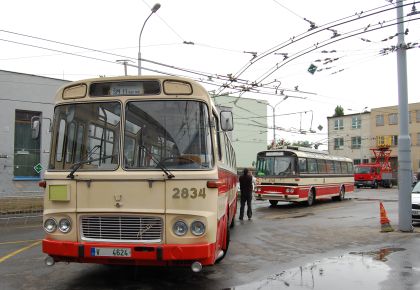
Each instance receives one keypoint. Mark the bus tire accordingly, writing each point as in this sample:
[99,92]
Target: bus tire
[227,242]
[273,202]
[311,198]
[341,195]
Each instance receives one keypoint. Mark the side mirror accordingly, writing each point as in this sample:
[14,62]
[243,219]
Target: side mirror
[35,127]
[226,120]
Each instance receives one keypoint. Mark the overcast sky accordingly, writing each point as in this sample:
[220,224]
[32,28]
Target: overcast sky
[226,35]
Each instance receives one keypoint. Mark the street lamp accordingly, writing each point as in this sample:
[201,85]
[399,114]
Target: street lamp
[274,115]
[154,9]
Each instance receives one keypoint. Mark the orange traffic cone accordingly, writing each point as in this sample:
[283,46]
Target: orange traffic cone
[385,226]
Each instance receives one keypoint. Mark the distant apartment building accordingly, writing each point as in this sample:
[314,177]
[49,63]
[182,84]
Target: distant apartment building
[23,159]
[354,135]
[250,127]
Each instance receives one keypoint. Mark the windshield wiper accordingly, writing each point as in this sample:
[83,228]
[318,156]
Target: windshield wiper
[158,163]
[77,165]
[80,163]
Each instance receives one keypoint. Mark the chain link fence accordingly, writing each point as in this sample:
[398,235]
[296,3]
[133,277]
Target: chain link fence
[21,209]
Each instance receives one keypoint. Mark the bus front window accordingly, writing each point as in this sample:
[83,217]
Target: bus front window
[172,134]
[86,136]
[275,166]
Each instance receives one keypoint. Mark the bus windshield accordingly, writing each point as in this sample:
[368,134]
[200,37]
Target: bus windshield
[275,166]
[173,134]
[86,136]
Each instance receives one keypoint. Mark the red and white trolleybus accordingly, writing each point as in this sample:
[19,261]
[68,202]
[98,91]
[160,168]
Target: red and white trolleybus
[141,172]
[297,174]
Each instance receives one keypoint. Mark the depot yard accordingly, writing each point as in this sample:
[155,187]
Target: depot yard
[276,240]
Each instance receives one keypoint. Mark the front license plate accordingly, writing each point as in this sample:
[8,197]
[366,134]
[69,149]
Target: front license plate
[110,252]
[415,212]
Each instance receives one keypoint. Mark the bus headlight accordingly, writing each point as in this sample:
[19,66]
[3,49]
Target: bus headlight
[198,228]
[50,225]
[64,225]
[180,228]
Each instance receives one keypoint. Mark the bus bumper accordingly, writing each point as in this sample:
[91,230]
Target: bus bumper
[280,197]
[140,254]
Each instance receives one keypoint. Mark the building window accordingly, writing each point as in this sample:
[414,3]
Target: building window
[418,139]
[409,117]
[394,140]
[356,122]
[379,120]
[356,142]
[356,161]
[27,150]
[338,143]
[393,119]
[338,124]
[418,116]
[365,160]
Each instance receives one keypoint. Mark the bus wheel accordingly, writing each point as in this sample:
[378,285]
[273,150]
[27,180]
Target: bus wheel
[273,202]
[225,249]
[340,197]
[232,224]
[311,198]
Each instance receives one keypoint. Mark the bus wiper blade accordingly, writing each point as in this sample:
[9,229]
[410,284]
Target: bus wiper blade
[158,163]
[77,165]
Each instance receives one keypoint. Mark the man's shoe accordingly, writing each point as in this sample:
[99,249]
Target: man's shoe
[249,218]
[241,219]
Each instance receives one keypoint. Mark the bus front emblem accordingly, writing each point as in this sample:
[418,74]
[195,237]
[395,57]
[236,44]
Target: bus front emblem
[118,198]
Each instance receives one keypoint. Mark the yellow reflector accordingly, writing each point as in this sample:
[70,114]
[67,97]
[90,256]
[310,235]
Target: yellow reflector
[58,193]
[75,92]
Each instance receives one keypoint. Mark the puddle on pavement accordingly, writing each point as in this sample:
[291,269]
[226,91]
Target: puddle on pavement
[380,255]
[356,270]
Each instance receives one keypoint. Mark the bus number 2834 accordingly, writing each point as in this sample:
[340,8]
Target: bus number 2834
[189,193]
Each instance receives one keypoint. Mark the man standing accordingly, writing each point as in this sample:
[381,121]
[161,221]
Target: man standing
[245,183]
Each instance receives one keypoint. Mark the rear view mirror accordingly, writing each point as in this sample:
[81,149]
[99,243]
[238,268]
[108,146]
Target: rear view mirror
[226,120]
[35,127]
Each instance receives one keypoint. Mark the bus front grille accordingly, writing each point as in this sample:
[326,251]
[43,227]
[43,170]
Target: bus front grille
[122,228]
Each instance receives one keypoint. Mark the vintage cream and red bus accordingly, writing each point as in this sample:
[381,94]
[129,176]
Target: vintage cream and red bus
[297,174]
[141,172]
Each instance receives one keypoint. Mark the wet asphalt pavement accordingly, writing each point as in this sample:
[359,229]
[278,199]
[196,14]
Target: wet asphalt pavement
[331,245]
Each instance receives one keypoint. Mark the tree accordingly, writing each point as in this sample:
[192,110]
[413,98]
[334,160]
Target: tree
[282,142]
[306,144]
[339,111]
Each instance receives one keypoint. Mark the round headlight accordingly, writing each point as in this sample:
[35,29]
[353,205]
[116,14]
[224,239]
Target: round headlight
[50,225]
[198,228]
[180,228]
[64,225]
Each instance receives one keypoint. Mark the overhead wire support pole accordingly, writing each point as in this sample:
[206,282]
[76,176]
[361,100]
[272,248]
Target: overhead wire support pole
[153,10]
[404,149]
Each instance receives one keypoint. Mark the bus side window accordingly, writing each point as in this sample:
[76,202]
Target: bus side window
[219,148]
[350,167]
[337,167]
[344,168]
[227,149]
[222,146]
[330,166]
[322,167]
[302,165]
[312,166]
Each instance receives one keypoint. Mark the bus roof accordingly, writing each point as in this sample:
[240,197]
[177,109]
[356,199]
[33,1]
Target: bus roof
[129,87]
[307,153]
